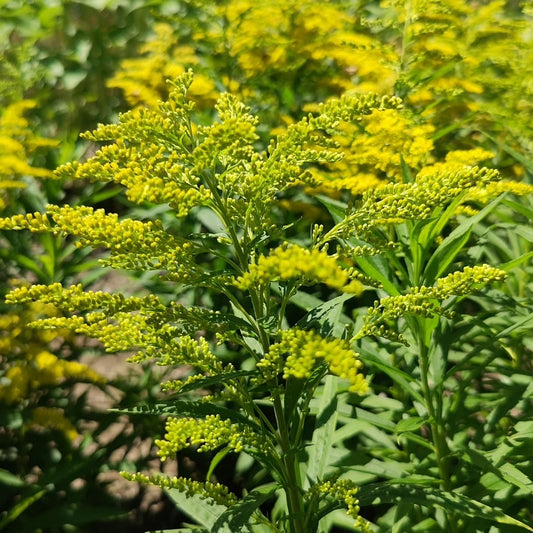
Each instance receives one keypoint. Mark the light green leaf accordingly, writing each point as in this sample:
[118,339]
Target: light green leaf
[236,517]
[327,318]
[204,512]
[399,376]
[410,424]
[453,244]
[377,269]
[386,493]
[323,435]
[7,478]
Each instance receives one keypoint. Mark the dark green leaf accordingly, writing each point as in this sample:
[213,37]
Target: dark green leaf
[236,517]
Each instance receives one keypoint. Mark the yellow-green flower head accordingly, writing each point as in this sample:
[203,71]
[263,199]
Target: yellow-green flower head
[345,491]
[134,245]
[207,490]
[426,301]
[299,352]
[396,202]
[292,262]
[207,434]
[53,418]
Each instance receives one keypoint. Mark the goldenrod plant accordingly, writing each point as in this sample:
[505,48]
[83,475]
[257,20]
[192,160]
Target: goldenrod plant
[333,360]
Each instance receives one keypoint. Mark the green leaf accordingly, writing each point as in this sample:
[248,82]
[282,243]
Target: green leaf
[204,512]
[387,493]
[336,209]
[324,433]
[506,148]
[9,479]
[446,253]
[216,460]
[189,408]
[20,507]
[377,268]
[515,262]
[236,517]
[519,208]
[399,376]
[453,244]
[410,424]
[327,318]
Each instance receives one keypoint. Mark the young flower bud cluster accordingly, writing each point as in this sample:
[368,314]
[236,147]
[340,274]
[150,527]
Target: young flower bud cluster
[289,262]
[208,434]
[426,301]
[298,353]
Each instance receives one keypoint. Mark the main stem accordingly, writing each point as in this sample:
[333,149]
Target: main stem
[291,476]
[292,488]
[438,433]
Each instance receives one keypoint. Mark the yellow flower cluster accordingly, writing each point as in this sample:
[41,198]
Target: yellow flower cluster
[469,279]
[298,353]
[374,150]
[26,362]
[172,350]
[307,141]
[148,171]
[135,245]
[274,37]
[426,301]
[291,262]
[53,417]
[17,145]
[42,369]
[251,43]
[207,490]
[208,434]
[143,79]
[396,202]
[74,298]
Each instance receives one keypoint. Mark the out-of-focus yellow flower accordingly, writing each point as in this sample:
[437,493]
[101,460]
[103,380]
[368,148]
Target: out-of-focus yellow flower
[53,418]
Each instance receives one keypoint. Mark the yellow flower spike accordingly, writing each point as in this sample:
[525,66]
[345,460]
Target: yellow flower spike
[344,491]
[293,262]
[207,490]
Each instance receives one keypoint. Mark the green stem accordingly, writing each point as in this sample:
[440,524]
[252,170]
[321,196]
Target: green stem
[434,409]
[292,489]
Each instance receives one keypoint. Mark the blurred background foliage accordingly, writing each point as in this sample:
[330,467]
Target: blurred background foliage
[463,68]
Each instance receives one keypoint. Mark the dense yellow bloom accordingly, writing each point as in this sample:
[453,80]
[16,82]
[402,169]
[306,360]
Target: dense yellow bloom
[143,79]
[17,145]
[42,369]
[270,37]
[299,352]
[373,151]
[26,362]
[289,262]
